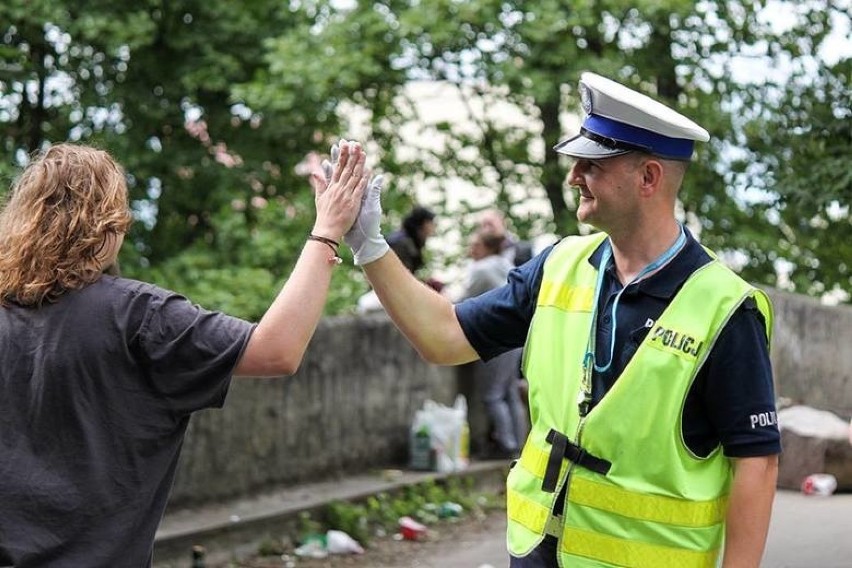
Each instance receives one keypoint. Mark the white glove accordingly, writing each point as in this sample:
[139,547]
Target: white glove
[365,237]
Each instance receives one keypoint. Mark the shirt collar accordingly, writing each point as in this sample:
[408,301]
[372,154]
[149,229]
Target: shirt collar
[665,283]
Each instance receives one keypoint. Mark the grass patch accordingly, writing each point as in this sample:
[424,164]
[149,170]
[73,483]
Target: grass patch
[430,503]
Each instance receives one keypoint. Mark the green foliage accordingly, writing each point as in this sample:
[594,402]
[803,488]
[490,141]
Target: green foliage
[351,519]
[308,526]
[380,513]
[212,106]
[527,57]
[221,210]
[803,143]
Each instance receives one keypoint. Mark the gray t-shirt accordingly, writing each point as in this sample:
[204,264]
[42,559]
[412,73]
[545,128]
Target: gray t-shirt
[485,274]
[96,391]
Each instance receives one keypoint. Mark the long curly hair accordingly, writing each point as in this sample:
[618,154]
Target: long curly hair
[56,221]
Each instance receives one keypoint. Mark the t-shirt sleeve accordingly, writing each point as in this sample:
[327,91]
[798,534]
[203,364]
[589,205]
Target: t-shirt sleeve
[739,390]
[189,354]
[498,320]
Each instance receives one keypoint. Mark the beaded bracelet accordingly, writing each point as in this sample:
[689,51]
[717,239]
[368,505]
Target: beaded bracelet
[332,244]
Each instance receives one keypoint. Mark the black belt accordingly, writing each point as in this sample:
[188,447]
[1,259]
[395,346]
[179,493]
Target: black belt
[561,447]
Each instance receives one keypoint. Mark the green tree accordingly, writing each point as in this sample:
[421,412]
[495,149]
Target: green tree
[213,107]
[529,57]
[53,75]
[211,180]
[800,140]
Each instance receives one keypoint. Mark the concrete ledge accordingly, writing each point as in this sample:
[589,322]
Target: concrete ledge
[236,528]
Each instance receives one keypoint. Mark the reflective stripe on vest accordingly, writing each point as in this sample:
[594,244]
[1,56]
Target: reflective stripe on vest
[623,552]
[617,551]
[656,508]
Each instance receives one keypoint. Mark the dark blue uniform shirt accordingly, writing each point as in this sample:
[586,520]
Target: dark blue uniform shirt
[733,388]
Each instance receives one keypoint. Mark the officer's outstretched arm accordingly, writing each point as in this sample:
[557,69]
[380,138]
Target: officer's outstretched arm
[425,317]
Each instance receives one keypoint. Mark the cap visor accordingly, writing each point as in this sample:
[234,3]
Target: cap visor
[581,147]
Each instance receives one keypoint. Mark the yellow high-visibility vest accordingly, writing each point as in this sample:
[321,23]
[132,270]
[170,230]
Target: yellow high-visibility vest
[658,505]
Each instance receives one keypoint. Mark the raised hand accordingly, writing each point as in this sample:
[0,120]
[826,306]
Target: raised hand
[365,237]
[339,196]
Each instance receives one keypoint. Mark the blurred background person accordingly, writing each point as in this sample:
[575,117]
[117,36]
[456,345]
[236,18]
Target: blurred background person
[496,380]
[409,241]
[515,250]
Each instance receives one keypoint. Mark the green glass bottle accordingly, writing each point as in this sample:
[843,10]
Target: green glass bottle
[198,554]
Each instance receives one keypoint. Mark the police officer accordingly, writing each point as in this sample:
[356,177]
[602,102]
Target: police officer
[647,360]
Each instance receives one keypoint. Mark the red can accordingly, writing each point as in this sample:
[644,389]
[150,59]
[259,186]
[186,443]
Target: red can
[411,529]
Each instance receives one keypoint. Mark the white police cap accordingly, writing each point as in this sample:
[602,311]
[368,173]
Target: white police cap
[620,120]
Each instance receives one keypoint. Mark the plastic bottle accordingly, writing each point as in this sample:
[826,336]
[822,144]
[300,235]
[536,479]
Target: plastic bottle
[422,454]
[198,554]
[449,509]
[464,445]
[314,546]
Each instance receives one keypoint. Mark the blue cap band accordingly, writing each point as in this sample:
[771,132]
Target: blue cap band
[674,148]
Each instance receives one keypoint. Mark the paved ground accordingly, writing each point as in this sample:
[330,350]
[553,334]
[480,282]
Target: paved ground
[806,532]
[810,532]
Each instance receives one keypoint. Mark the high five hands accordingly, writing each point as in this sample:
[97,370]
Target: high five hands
[365,236]
[339,193]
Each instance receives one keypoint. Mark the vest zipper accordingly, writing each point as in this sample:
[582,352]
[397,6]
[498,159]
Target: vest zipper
[571,466]
[580,430]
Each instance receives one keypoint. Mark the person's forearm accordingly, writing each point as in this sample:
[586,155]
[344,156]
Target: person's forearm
[749,511]
[423,315]
[279,342]
[282,336]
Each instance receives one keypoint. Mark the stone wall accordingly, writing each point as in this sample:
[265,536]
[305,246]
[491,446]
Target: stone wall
[347,410]
[349,407]
[812,352]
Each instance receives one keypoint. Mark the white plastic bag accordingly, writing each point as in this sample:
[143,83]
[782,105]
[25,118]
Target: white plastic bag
[440,436]
[341,543]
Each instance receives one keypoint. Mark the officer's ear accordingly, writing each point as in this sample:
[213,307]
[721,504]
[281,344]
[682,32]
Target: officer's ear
[651,173]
